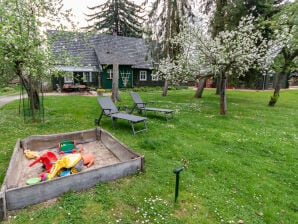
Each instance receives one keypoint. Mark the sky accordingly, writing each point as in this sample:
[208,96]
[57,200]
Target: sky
[79,8]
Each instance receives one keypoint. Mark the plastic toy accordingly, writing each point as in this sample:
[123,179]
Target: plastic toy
[65,173]
[33,180]
[47,159]
[88,159]
[68,147]
[73,162]
[30,154]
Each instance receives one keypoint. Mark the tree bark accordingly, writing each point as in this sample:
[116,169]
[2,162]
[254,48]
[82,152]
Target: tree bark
[223,98]
[274,98]
[201,87]
[115,86]
[31,88]
[218,85]
[288,58]
[165,88]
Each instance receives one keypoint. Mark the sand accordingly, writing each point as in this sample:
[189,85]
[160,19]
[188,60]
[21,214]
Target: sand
[102,155]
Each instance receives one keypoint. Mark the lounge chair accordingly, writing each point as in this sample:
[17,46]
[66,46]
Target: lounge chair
[109,109]
[141,106]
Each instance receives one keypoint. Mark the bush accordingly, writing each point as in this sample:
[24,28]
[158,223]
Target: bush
[177,87]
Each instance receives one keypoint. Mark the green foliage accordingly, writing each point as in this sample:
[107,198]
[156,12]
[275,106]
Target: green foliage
[169,15]
[228,13]
[241,166]
[146,89]
[177,87]
[10,90]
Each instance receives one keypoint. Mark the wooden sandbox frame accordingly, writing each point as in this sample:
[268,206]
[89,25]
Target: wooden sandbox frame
[13,196]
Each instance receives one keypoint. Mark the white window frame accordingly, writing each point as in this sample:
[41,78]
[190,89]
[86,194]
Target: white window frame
[143,75]
[154,78]
[109,73]
[87,76]
[68,78]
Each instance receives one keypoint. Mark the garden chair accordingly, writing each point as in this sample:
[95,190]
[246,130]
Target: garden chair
[141,106]
[109,109]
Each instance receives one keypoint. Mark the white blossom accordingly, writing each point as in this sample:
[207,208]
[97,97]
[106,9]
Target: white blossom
[231,52]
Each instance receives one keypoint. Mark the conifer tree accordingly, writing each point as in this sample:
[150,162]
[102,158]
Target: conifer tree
[121,17]
[166,18]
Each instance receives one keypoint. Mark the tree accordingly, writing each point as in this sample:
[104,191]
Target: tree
[286,43]
[22,50]
[227,15]
[230,53]
[165,19]
[121,17]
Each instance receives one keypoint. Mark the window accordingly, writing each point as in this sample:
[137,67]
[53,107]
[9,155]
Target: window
[87,77]
[154,77]
[143,75]
[124,75]
[68,78]
[110,74]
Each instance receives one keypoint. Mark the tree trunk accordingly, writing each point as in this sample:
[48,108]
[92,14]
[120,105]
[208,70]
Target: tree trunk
[218,85]
[31,88]
[274,98]
[165,88]
[223,98]
[288,58]
[115,86]
[201,87]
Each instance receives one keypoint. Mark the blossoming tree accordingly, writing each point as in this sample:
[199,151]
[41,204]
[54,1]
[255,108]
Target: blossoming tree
[286,45]
[23,52]
[230,53]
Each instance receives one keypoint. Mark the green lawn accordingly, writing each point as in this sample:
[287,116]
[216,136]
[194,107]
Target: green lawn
[242,166]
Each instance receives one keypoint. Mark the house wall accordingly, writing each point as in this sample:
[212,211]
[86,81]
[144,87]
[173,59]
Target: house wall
[125,77]
[137,82]
[128,78]
[78,79]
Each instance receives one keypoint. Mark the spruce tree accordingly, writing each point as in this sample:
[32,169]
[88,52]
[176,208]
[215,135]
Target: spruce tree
[165,19]
[121,17]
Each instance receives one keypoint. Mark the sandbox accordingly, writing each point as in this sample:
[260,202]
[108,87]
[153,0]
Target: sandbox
[112,160]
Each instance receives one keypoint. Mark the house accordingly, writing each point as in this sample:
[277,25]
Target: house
[86,60]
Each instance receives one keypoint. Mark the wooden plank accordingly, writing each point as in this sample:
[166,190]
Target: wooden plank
[41,142]
[12,174]
[2,206]
[121,151]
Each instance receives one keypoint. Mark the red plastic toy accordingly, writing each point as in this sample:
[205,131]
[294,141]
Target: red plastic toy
[47,159]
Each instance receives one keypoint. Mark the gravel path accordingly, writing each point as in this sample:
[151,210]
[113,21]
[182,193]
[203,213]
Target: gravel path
[7,99]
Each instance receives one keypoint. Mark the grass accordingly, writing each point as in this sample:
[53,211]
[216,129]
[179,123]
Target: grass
[10,90]
[242,166]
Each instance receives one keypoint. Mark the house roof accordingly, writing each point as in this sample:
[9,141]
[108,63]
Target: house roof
[84,49]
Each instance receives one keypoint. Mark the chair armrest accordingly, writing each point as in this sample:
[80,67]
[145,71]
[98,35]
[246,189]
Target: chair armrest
[123,108]
[106,109]
[142,104]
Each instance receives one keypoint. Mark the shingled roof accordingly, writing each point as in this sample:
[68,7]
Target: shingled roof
[99,49]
